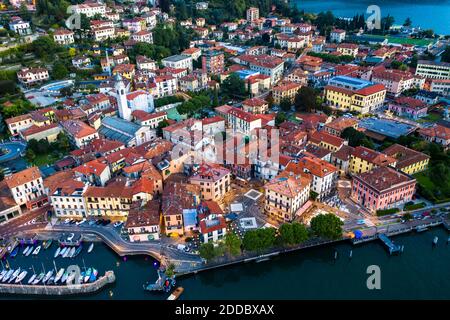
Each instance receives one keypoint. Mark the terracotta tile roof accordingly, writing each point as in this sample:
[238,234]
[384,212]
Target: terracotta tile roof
[144,116]
[315,166]
[383,178]
[179,196]
[92,167]
[211,120]
[143,216]
[78,128]
[207,226]
[367,91]
[404,156]
[322,136]
[373,156]
[22,177]
[288,184]
[36,129]
[436,131]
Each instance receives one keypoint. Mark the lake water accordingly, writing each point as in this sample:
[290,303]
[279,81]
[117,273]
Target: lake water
[428,14]
[420,272]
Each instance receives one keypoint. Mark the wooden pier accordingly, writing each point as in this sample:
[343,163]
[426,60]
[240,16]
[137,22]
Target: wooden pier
[61,290]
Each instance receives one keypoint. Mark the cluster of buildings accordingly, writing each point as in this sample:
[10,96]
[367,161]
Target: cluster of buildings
[121,169]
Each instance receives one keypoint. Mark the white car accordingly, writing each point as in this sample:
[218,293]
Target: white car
[81,222]
[117,224]
[67,221]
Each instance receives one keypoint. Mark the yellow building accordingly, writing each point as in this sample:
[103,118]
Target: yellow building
[362,101]
[409,161]
[285,90]
[363,159]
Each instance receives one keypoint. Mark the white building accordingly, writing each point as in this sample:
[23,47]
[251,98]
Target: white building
[26,186]
[128,102]
[337,35]
[178,61]
[433,70]
[19,26]
[165,86]
[63,36]
[90,9]
[67,199]
[30,76]
[243,122]
[143,36]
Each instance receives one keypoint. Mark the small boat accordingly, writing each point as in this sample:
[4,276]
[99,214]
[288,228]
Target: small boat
[421,228]
[87,275]
[51,281]
[14,275]
[64,276]
[78,251]
[59,275]
[47,244]
[37,250]
[32,278]
[91,247]
[93,276]
[2,274]
[29,251]
[38,278]
[66,253]
[72,252]
[25,251]
[14,252]
[21,276]
[176,293]
[57,252]
[8,275]
[47,276]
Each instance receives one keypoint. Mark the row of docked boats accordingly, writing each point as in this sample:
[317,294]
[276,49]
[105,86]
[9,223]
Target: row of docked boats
[71,252]
[61,277]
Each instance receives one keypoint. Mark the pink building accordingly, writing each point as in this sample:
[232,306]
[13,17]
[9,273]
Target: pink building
[408,107]
[382,188]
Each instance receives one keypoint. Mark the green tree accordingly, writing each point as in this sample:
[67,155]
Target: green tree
[408,22]
[162,124]
[286,234]
[305,99]
[233,86]
[59,70]
[285,104]
[207,251]
[233,244]
[327,226]
[356,138]
[260,239]
[30,155]
[280,118]
[300,232]
[44,47]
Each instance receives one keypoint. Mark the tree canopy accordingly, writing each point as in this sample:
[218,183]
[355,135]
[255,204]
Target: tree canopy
[327,226]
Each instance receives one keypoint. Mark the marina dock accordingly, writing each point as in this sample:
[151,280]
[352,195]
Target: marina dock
[393,248]
[108,278]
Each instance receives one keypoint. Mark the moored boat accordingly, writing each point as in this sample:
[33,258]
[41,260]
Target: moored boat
[51,280]
[72,252]
[64,276]
[47,276]
[57,252]
[14,252]
[38,278]
[2,274]
[63,251]
[59,275]
[91,247]
[14,275]
[25,251]
[78,251]
[8,275]
[21,276]
[87,275]
[66,252]
[32,278]
[176,293]
[30,250]
[47,244]
[37,250]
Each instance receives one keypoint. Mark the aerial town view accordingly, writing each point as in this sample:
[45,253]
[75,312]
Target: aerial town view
[224,149]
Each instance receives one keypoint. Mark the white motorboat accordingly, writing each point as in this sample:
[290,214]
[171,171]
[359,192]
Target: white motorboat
[58,251]
[21,276]
[25,251]
[30,250]
[63,251]
[14,275]
[91,247]
[47,276]
[72,252]
[2,274]
[59,275]
[8,275]
[39,278]
[32,278]
[65,276]
[66,254]
[36,251]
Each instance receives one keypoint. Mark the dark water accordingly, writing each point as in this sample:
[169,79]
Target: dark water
[428,14]
[421,272]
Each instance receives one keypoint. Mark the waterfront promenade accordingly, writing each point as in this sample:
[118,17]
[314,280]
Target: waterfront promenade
[84,288]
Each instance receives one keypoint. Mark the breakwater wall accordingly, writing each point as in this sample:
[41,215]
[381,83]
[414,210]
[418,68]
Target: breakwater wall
[85,288]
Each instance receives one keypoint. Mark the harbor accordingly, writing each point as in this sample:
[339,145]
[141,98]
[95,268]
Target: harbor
[278,276]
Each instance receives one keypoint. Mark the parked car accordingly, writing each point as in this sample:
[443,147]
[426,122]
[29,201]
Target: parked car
[81,222]
[117,224]
[67,221]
